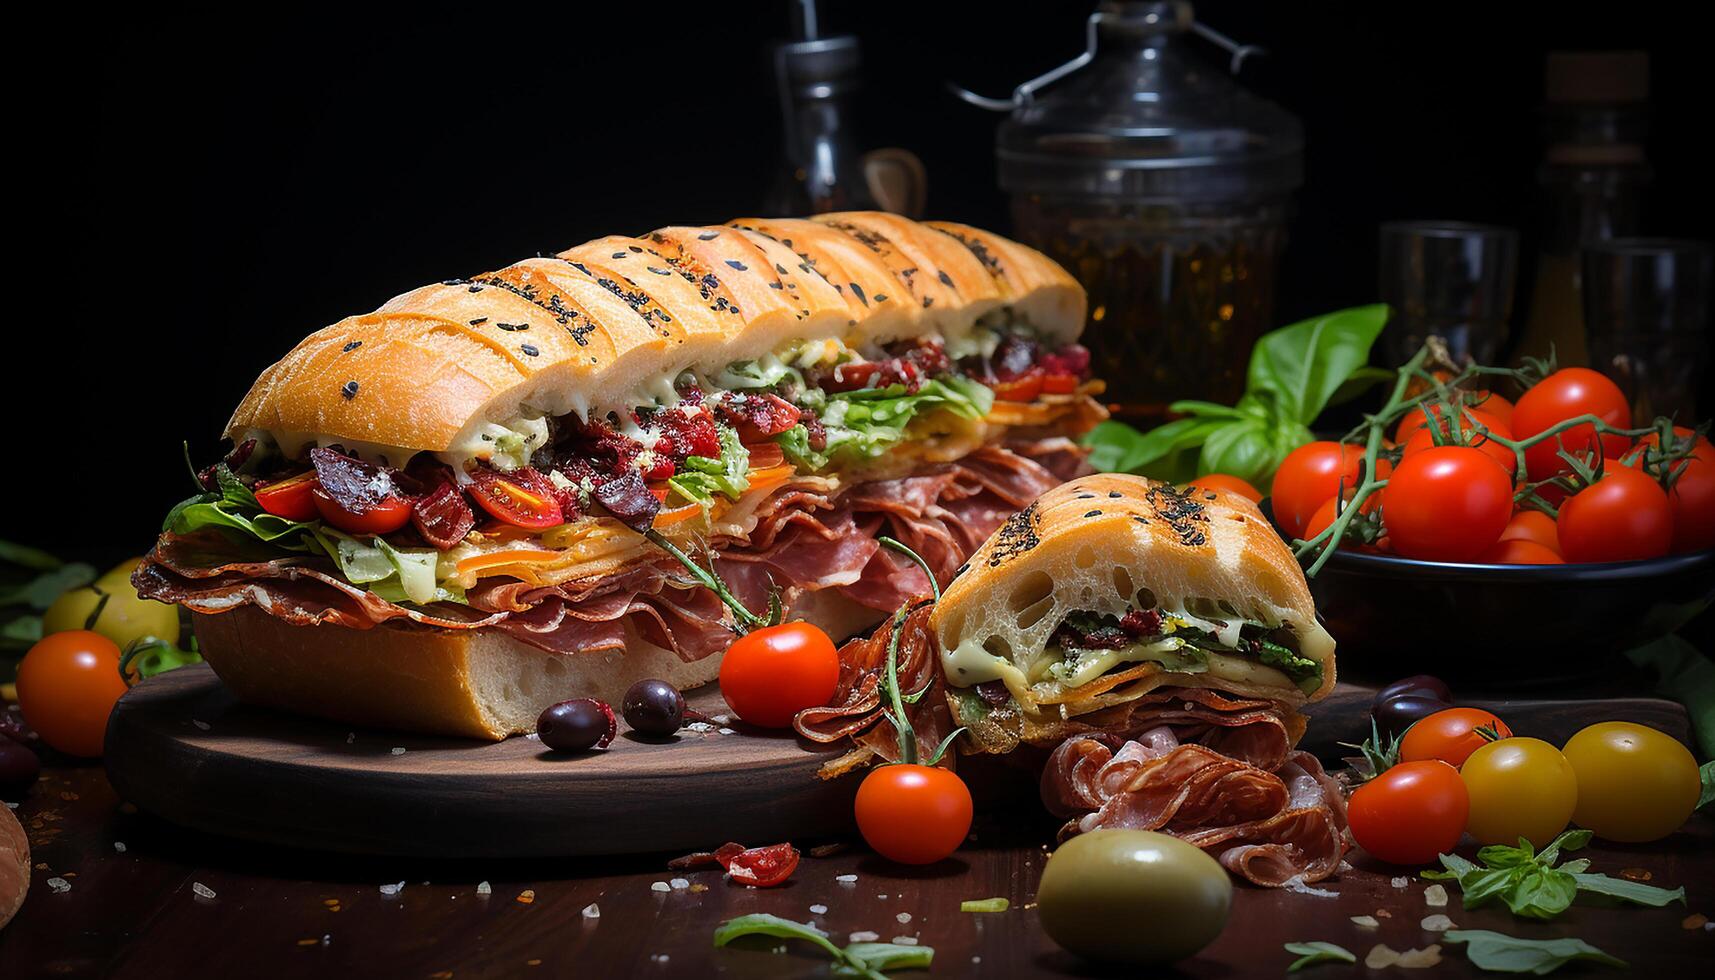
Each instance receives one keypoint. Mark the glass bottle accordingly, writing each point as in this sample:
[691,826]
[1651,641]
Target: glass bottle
[822,169]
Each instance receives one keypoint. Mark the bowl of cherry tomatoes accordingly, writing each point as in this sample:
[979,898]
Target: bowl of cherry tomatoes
[1526,542]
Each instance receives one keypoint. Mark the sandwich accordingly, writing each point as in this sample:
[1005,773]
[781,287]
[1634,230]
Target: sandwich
[444,515]
[1149,648]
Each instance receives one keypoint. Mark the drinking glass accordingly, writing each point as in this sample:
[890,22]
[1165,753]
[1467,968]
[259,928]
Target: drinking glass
[1646,310]
[1449,279]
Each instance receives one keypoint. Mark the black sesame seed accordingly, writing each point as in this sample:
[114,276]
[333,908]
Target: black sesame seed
[881,297]
[858,292]
[348,348]
[777,284]
[513,327]
[946,280]
[1094,513]
[476,289]
[1114,495]
[479,321]
[1209,496]
[635,248]
[736,264]
[530,350]
[619,255]
[349,390]
[708,236]
[1086,496]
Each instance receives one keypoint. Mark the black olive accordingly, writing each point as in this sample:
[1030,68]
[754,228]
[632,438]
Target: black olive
[1421,685]
[654,707]
[572,726]
[1395,716]
[19,766]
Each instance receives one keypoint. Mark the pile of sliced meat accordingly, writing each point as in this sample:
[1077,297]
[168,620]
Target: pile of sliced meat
[803,541]
[1215,771]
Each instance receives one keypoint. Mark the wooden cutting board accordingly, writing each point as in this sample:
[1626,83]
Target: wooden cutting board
[181,747]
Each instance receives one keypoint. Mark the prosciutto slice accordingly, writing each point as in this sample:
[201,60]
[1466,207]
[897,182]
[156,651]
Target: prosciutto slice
[1268,826]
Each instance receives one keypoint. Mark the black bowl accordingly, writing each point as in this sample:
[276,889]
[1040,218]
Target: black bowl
[1503,625]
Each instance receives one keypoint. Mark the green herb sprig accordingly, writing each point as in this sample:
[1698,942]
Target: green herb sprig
[895,713]
[1500,953]
[1533,887]
[1312,953]
[856,959]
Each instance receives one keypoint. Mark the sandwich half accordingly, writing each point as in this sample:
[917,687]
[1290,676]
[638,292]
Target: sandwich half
[1149,647]
[434,515]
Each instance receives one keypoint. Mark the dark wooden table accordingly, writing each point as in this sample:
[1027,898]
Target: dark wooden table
[137,912]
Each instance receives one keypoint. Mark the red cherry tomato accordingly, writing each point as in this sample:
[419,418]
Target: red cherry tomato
[1624,516]
[1231,484]
[1500,408]
[67,686]
[1413,421]
[522,498]
[1533,526]
[1693,499]
[1702,449]
[1309,475]
[292,498]
[772,673]
[1423,438]
[1517,551]
[1565,394]
[1410,813]
[1447,503]
[913,814]
[1450,735]
[384,518]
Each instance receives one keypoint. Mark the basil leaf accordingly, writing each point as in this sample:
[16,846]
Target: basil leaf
[41,591]
[1456,867]
[1482,884]
[763,924]
[1362,380]
[888,956]
[1303,365]
[1571,840]
[1632,891]
[1507,856]
[1509,954]
[1541,894]
[1707,773]
[1312,953]
[35,559]
[1118,448]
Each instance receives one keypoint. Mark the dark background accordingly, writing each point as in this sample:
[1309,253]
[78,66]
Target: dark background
[214,185]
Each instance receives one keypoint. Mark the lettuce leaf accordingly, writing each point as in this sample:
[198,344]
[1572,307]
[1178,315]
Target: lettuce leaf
[700,478]
[866,423]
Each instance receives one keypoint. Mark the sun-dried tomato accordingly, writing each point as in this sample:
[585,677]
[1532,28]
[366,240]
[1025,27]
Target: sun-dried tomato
[763,867]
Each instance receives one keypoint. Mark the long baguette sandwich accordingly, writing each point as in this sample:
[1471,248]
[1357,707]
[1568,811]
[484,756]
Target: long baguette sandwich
[1150,648]
[434,515]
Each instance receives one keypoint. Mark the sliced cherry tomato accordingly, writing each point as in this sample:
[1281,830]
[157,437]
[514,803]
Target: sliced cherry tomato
[1519,787]
[1410,813]
[913,814]
[387,516]
[1624,516]
[1423,438]
[290,498]
[1059,384]
[772,673]
[1309,475]
[1534,526]
[1635,784]
[1517,551]
[759,867]
[1565,394]
[1231,484]
[1023,388]
[522,498]
[765,455]
[1450,735]
[67,685]
[1447,503]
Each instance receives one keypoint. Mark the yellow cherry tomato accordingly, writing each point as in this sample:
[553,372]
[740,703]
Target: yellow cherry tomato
[1519,787]
[1635,784]
[126,616]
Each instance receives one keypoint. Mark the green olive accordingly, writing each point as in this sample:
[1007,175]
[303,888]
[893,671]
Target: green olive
[1133,896]
[126,616]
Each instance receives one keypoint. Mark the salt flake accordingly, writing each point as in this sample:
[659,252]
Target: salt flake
[903,917]
[660,886]
[396,750]
[1435,896]
[592,911]
[59,885]
[678,883]
[1436,923]
[905,940]
[863,937]
[845,879]
[197,888]
[484,888]
[818,910]
[393,889]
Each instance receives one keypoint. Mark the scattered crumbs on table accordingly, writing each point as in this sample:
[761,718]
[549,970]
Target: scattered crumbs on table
[1366,921]
[1344,867]
[309,942]
[327,937]
[41,865]
[1381,957]
[660,886]
[69,874]
[725,731]
[818,910]
[825,850]
[903,917]
[905,940]
[1401,882]
[701,727]
[393,889]
[200,890]
[119,847]
[863,937]
[679,884]
[1696,920]
[697,887]
[202,726]
[1027,906]
[396,750]
[527,896]
[1435,896]
[1436,923]
[882,897]
[59,885]
[533,737]
[592,911]
[720,719]
[539,962]
[484,888]
[845,879]
[1296,884]
[1636,874]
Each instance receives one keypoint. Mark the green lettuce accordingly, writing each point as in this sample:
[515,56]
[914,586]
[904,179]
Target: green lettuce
[866,423]
[699,478]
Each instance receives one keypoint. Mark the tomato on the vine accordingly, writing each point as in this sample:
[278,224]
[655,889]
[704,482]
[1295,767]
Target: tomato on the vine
[1231,484]
[1410,813]
[385,517]
[1309,475]
[67,685]
[1533,526]
[1517,551]
[1624,516]
[1693,499]
[1519,787]
[1447,503]
[1423,438]
[1450,735]
[1635,784]
[1565,394]
[772,673]
[913,814]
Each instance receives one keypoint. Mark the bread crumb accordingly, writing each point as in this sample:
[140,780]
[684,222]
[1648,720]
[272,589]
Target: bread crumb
[660,886]
[1636,874]
[905,940]
[818,910]
[592,911]
[903,917]
[1696,920]
[863,937]
[1435,896]
[698,886]
[1367,921]
[1436,923]
[527,896]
